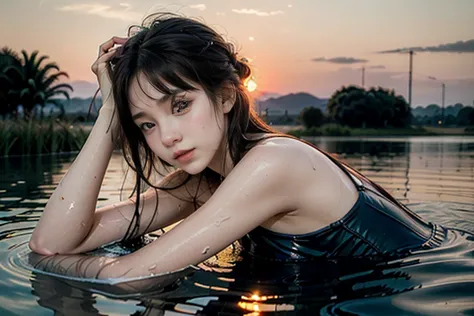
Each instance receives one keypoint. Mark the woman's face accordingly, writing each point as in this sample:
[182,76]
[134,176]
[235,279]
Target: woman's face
[183,129]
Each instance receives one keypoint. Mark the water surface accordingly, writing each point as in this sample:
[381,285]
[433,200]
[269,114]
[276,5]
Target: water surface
[433,175]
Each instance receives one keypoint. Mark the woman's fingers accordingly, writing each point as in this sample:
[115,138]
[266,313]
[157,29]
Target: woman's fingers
[104,48]
[106,51]
[101,61]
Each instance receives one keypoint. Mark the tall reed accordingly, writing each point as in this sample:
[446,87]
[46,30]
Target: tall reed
[33,137]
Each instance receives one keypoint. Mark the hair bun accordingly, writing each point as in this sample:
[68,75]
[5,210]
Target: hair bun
[242,67]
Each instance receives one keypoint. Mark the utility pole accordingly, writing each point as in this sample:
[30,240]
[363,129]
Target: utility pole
[443,88]
[363,76]
[410,78]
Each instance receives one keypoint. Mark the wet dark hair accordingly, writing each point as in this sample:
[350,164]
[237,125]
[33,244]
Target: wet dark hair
[171,50]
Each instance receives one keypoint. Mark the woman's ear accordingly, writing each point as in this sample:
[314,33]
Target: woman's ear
[228,98]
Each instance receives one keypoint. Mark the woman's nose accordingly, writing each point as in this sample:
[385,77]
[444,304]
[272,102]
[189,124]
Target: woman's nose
[170,136]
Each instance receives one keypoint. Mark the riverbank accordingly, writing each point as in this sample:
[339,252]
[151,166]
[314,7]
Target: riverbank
[338,130]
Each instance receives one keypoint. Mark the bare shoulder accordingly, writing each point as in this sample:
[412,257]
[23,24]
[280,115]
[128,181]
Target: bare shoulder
[284,152]
[297,151]
[319,192]
[298,165]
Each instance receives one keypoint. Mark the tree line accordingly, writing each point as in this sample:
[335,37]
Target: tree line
[356,107]
[452,115]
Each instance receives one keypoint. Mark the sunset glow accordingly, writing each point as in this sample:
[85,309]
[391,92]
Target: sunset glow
[295,47]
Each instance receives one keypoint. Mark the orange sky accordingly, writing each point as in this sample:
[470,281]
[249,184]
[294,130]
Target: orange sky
[282,38]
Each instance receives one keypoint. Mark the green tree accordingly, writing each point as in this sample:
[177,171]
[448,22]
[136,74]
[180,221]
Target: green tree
[466,116]
[311,116]
[377,107]
[32,83]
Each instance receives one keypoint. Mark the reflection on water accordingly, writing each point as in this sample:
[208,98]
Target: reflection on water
[414,169]
[435,175]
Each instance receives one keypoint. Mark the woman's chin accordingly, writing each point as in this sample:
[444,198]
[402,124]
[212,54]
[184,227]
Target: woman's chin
[193,167]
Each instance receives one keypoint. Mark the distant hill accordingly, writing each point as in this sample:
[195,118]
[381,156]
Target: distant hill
[264,95]
[83,89]
[75,107]
[293,103]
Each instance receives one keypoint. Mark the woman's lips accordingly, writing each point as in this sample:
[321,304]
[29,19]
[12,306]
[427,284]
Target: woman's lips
[185,157]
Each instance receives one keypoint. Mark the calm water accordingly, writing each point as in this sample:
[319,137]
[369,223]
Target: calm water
[434,176]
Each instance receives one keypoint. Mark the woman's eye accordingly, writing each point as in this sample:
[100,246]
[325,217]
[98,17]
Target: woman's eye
[146,126]
[180,106]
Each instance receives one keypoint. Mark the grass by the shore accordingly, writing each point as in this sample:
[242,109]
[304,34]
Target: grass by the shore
[338,130]
[19,137]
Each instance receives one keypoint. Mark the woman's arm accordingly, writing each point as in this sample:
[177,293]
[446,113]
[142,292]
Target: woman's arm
[159,209]
[261,186]
[68,215]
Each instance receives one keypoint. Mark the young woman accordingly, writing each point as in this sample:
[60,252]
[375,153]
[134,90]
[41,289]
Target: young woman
[174,93]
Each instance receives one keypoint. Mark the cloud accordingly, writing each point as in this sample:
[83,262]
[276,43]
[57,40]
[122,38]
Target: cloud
[104,11]
[200,7]
[221,13]
[376,67]
[457,47]
[340,60]
[256,12]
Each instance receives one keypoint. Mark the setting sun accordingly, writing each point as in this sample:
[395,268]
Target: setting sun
[251,84]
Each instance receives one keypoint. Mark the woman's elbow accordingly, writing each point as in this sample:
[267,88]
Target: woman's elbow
[36,247]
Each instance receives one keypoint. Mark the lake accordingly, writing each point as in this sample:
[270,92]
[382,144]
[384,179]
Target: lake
[434,176]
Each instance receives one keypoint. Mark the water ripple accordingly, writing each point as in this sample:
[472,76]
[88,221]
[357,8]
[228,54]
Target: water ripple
[435,176]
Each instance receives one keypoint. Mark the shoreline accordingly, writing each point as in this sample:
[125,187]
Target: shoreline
[337,130]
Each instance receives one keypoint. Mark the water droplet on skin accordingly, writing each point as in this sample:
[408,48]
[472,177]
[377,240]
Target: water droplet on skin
[205,250]
[71,206]
[152,267]
[83,224]
[221,220]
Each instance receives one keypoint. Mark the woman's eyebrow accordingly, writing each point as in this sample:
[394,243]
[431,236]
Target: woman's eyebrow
[161,100]
[173,95]
[138,115]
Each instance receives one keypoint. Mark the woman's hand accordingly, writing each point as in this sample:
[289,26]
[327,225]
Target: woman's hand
[99,68]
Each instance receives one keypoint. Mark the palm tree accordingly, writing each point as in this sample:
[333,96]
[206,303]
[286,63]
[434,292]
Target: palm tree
[9,60]
[32,83]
